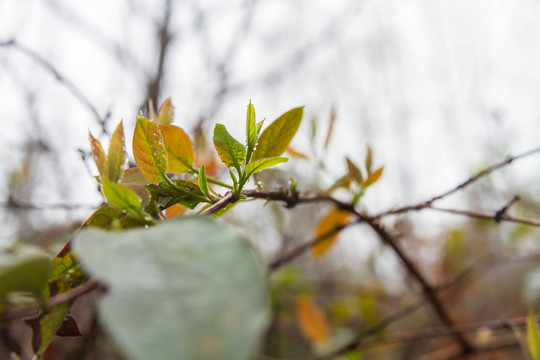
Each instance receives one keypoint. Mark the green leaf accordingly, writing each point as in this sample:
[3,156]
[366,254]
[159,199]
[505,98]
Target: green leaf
[122,198]
[533,336]
[230,150]
[173,289]
[149,150]
[116,157]
[203,182]
[369,159]
[166,112]
[180,151]
[277,136]
[99,155]
[251,127]
[24,268]
[354,171]
[262,164]
[185,193]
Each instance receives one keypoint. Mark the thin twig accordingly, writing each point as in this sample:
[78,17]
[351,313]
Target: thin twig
[61,78]
[469,181]
[488,216]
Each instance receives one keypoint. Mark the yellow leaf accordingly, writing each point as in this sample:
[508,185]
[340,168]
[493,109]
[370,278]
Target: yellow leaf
[334,218]
[312,321]
[277,136]
[373,177]
[533,336]
[149,150]
[179,147]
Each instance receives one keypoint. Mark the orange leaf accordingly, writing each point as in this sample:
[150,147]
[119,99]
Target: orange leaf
[149,150]
[312,321]
[334,218]
[174,211]
[373,176]
[179,147]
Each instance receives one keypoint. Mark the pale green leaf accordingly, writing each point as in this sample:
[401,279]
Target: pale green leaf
[251,127]
[533,336]
[24,268]
[231,152]
[203,182]
[262,164]
[173,290]
[122,197]
[149,150]
[116,157]
[277,136]
[179,148]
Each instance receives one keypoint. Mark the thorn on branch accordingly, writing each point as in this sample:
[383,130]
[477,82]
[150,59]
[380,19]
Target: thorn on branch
[502,211]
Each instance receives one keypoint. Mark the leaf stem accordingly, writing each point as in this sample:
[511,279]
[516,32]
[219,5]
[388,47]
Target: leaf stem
[213,181]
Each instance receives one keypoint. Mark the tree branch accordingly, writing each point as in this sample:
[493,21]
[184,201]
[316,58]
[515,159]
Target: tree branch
[53,301]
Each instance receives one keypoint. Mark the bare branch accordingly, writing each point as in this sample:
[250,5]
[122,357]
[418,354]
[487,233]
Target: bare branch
[464,184]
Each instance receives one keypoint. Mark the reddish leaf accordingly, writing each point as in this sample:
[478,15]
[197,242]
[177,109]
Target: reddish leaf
[69,328]
[116,157]
[99,155]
